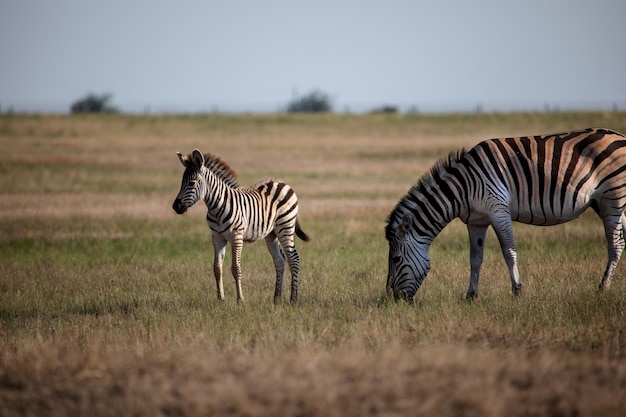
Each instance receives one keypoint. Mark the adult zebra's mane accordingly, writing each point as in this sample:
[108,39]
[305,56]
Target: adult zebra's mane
[423,185]
[220,168]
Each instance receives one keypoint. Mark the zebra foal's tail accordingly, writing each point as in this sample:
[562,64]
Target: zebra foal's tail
[300,233]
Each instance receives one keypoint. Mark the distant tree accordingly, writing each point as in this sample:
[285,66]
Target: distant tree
[385,109]
[314,102]
[94,103]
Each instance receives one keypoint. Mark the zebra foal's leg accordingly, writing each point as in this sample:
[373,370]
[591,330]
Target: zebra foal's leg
[237,245]
[279,263]
[289,248]
[477,245]
[219,250]
[614,230]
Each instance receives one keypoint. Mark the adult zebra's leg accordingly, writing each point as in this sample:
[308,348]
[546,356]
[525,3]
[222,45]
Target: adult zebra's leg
[477,245]
[219,250]
[237,245]
[289,248]
[279,263]
[614,230]
[503,226]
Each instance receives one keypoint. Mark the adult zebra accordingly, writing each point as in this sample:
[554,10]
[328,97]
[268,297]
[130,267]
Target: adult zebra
[539,180]
[267,210]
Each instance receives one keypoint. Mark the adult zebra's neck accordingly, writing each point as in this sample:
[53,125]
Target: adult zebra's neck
[438,198]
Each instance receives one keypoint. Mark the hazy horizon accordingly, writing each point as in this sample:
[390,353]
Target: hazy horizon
[238,57]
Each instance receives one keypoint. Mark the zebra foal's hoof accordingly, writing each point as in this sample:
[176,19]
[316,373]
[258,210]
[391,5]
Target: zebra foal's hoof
[517,290]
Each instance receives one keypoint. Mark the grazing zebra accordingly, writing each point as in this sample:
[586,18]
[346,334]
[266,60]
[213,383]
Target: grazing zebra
[267,210]
[540,180]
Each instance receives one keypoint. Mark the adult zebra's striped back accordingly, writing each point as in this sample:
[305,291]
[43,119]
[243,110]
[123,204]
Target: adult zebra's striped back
[267,210]
[540,180]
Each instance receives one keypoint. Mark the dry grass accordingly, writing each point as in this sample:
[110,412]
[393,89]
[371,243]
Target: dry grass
[107,305]
[431,380]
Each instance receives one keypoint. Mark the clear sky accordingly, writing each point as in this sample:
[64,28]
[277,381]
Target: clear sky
[257,55]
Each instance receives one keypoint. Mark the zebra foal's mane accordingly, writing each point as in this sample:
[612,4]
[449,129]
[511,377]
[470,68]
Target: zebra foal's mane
[219,167]
[425,183]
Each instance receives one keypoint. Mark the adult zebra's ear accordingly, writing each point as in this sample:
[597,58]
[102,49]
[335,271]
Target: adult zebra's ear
[405,225]
[198,158]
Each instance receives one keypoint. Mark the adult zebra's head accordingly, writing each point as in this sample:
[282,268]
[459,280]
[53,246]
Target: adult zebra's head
[408,258]
[193,185]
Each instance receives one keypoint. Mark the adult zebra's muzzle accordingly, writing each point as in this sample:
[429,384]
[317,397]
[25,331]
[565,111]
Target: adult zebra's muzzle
[179,207]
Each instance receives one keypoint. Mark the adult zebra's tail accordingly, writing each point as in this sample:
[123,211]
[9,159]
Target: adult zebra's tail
[300,233]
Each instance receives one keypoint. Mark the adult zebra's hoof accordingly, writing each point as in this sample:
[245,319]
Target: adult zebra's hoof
[471,296]
[517,289]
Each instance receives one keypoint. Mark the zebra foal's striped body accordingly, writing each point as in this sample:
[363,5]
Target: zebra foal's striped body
[539,180]
[268,210]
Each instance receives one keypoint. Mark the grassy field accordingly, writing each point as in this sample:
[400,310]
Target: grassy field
[108,306]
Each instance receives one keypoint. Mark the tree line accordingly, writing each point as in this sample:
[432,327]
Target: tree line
[314,102]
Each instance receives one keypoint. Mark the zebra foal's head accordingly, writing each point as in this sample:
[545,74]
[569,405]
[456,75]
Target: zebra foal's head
[408,258]
[193,184]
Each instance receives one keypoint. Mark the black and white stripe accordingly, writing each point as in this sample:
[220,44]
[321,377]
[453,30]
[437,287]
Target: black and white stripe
[268,210]
[539,180]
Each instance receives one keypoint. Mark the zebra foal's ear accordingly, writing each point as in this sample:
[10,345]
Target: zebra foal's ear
[181,158]
[198,158]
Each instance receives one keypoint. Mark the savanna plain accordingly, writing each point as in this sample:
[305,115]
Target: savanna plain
[107,297]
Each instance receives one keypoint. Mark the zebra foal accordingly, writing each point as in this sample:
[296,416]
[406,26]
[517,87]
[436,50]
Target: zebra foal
[540,180]
[267,210]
